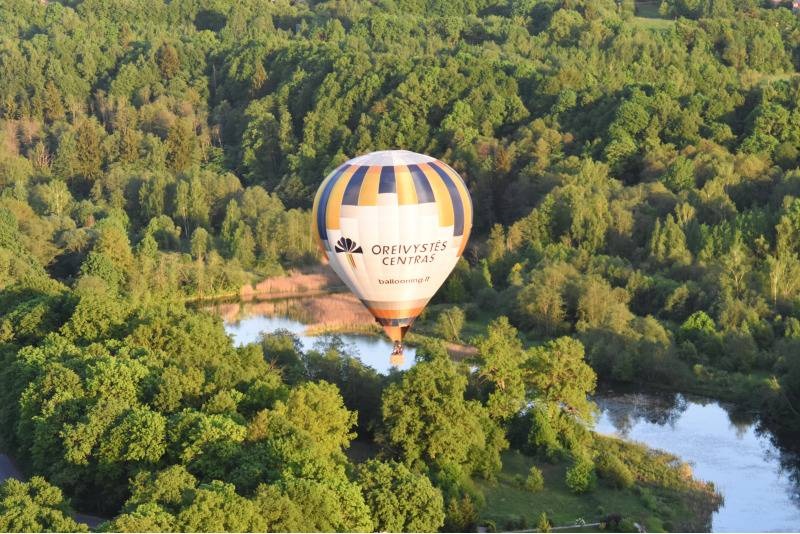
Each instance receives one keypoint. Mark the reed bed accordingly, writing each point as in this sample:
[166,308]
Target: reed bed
[320,278]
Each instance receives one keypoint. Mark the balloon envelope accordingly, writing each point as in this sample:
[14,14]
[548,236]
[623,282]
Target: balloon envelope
[393,225]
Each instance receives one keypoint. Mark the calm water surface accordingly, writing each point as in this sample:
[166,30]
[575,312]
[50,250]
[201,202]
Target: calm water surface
[759,483]
[372,350]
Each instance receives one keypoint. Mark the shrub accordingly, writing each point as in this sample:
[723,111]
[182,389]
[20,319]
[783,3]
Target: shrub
[581,476]
[535,480]
[543,524]
[612,469]
[461,515]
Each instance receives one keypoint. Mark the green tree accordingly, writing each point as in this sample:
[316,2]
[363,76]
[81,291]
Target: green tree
[35,506]
[449,323]
[199,243]
[428,419]
[168,60]
[243,246]
[181,145]
[543,524]
[500,359]
[562,406]
[400,501]
[535,480]
[680,175]
[581,476]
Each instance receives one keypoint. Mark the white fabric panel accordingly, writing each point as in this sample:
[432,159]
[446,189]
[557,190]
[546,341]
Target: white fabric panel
[389,158]
[390,225]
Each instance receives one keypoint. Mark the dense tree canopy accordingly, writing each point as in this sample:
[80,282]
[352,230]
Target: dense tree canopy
[637,218]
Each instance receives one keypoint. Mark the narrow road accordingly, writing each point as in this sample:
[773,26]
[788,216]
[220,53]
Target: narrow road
[8,469]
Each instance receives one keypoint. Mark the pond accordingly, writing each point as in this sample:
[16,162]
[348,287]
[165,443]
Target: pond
[758,481]
[372,350]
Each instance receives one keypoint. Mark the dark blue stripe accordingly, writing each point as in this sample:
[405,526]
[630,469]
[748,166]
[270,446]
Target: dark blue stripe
[323,202]
[387,183]
[458,207]
[421,184]
[353,188]
[469,198]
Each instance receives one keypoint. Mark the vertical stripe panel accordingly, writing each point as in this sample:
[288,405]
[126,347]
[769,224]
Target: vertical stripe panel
[406,194]
[335,198]
[421,184]
[368,196]
[387,184]
[466,200]
[465,196]
[455,198]
[323,200]
[354,187]
[440,194]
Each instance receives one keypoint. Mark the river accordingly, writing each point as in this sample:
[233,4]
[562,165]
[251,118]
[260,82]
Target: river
[758,482]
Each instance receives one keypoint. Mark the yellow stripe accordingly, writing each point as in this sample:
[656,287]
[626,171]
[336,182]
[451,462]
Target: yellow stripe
[465,200]
[368,195]
[406,193]
[442,196]
[335,199]
[315,207]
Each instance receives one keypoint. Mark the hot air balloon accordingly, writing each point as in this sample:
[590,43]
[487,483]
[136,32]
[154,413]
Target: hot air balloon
[393,225]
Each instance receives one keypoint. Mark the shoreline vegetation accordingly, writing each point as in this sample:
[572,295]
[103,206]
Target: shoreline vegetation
[316,295]
[664,496]
[636,198]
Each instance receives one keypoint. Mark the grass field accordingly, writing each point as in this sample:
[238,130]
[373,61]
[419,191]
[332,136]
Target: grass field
[658,507]
[648,9]
[648,17]
[653,23]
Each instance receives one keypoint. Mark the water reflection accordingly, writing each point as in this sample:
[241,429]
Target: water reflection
[374,351]
[626,410]
[758,480]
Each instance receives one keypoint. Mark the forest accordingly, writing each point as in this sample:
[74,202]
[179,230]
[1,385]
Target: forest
[636,190]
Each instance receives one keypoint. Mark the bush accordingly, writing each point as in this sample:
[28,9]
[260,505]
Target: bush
[515,522]
[581,476]
[612,469]
[535,480]
[461,515]
[543,524]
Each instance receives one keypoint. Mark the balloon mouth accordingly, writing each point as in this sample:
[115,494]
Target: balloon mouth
[395,333]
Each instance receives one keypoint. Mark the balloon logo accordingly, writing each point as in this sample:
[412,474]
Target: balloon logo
[349,247]
[393,224]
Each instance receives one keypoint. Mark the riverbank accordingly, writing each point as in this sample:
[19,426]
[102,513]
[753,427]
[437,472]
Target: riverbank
[664,497]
